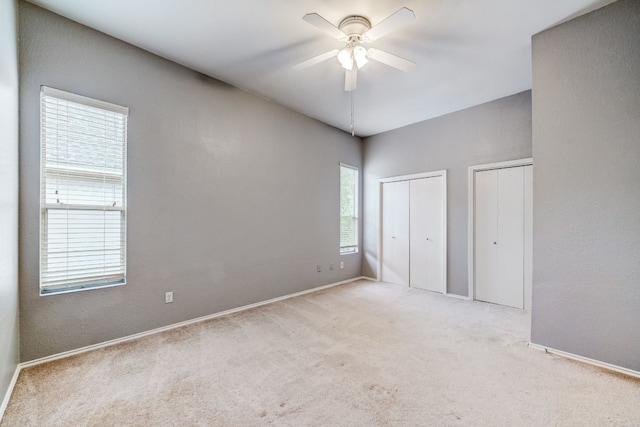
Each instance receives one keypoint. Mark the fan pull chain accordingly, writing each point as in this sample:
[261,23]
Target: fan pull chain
[353,132]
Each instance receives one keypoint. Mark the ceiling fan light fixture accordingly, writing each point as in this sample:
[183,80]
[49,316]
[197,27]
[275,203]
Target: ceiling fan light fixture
[345,57]
[355,30]
[360,56]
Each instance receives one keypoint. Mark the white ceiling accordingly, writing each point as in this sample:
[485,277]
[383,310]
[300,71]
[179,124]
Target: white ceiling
[467,51]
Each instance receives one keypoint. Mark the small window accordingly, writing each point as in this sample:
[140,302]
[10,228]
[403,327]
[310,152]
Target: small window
[348,209]
[83,192]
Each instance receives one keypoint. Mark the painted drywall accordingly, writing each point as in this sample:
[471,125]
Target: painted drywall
[231,199]
[586,149]
[496,131]
[9,324]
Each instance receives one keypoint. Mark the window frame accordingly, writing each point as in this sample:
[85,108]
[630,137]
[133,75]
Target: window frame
[82,174]
[355,247]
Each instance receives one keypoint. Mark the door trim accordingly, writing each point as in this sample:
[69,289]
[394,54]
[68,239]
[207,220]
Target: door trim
[472,210]
[440,173]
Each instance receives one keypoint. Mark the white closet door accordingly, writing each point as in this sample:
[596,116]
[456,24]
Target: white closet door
[486,235]
[510,286]
[500,236]
[395,232]
[528,235]
[426,228]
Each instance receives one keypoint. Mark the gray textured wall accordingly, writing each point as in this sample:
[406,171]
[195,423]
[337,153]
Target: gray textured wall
[586,147]
[232,199]
[9,345]
[496,131]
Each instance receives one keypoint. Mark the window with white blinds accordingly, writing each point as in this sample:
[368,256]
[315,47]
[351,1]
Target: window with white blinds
[83,192]
[348,209]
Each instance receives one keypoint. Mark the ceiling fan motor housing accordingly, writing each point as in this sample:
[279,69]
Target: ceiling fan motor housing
[354,27]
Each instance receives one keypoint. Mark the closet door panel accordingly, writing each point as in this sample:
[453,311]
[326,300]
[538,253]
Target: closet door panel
[426,229]
[528,235]
[510,240]
[486,235]
[395,232]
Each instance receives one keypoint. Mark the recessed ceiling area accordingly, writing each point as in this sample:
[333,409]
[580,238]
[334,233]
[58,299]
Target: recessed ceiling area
[466,52]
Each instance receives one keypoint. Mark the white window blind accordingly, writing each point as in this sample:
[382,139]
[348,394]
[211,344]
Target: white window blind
[83,192]
[348,209]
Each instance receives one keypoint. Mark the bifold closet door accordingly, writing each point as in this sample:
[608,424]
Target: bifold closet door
[499,236]
[528,235]
[426,221]
[395,232]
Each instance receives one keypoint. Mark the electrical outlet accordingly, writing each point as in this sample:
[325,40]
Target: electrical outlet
[341,264]
[330,266]
[319,268]
[168,297]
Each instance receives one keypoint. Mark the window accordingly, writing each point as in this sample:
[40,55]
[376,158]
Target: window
[82,193]
[348,209]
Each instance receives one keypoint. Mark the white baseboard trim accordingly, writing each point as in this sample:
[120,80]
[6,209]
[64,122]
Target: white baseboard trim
[537,347]
[127,338]
[586,360]
[7,395]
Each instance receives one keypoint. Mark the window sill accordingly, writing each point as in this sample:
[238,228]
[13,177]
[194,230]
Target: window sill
[79,288]
[349,253]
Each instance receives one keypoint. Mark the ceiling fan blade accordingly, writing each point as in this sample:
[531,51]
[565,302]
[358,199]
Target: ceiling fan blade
[397,20]
[390,59]
[316,60]
[350,79]
[322,24]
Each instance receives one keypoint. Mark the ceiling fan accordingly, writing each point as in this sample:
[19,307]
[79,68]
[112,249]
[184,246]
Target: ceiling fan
[355,30]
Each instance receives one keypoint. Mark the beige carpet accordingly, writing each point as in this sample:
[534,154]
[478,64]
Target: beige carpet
[363,354]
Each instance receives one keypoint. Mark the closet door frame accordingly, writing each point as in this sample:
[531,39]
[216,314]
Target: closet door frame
[472,212]
[440,173]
